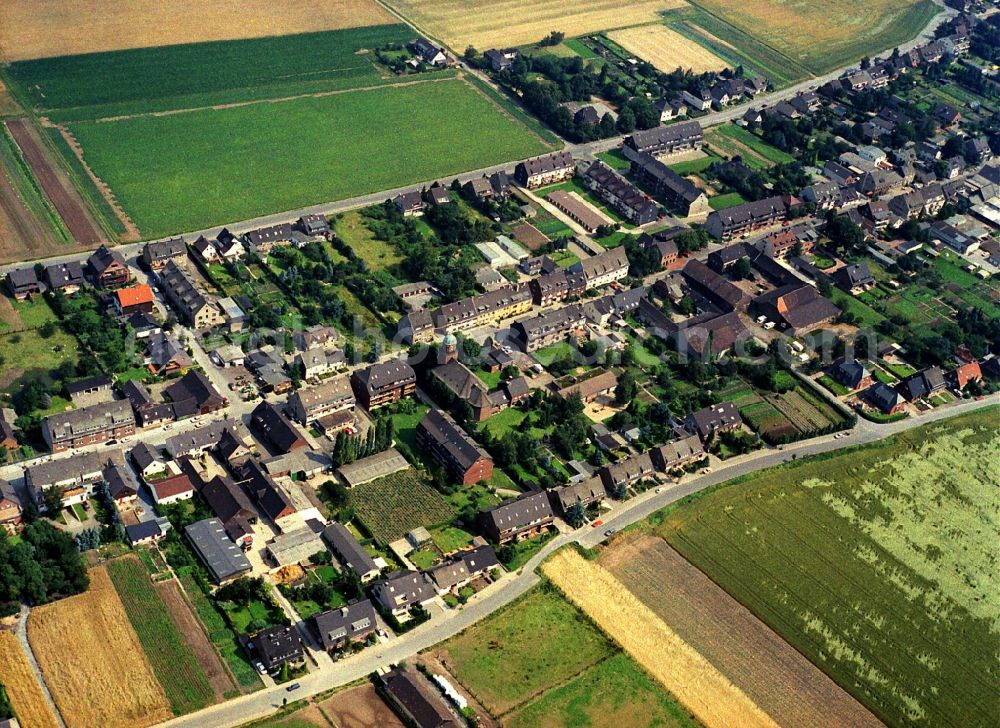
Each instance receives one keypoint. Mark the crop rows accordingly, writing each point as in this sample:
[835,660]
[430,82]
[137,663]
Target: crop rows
[172,660]
[392,506]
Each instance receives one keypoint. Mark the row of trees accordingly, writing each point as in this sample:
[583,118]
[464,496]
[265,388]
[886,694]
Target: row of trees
[348,448]
[44,565]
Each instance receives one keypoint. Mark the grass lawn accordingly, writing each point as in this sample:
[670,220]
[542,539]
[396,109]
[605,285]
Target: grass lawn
[34,312]
[284,155]
[404,427]
[549,225]
[28,352]
[423,559]
[549,354]
[500,479]
[377,254]
[450,538]
[755,143]
[477,496]
[867,316]
[612,693]
[615,159]
[893,592]
[564,258]
[834,386]
[693,166]
[724,201]
[502,661]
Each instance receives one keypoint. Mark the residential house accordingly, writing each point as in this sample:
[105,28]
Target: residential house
[263,240]
[491,307]
[8,429]
[400,591]
[548,169]
[926,201]
[147,460]
[275,429]
[195,394]
[699,100]
[427,52]
[352,623]
[88,425]
[147,532]
[798,308]
[156,255]
[416,327]
[121,486]
[884,398]
[670,109]
[167,355]
[707,422]
[586,493]
[851,373]
[23,283]
[416,702]
[10,508]
[108,268]
[76,476]
[501,60]
[545,329]
[604,268]
[596,383]
[233,509]
[193,306]
[677,453]
[620,194]
[410,203]
[66,277]
[519,518]
[736,221]
[349,551]
[465,386]
[721,292]
[224,560]
[966,373]
[450,446]
[854,278]
[677,192]
[315,363]
[135,299]
[172,490]
[383,383]
[274,647]
[205,250]
[663,141]
[618,476]
[270,499]
[878,182]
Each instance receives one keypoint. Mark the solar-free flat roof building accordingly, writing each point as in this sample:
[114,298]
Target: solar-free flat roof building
[372,468]
[224,560]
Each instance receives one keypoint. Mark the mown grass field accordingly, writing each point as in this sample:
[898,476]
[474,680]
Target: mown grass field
[611,694]
[392,506]
[825,36]
[504,663]
[667,49]
[877,564]
[193,75]
[191,170]
[172,660]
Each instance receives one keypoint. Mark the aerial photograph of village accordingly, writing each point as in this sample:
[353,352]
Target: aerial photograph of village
[512,364]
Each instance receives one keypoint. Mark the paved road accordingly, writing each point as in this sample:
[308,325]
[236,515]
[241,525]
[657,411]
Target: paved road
[511,586]
[583,151]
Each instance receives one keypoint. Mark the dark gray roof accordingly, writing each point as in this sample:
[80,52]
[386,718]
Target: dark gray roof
[221,556]
[462,450]
[348,622]
[348,549]
[519,512]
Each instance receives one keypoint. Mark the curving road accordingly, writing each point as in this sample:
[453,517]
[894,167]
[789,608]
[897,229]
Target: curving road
[513,585]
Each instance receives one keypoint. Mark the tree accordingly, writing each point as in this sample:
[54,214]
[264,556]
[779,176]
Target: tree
[742,270]
[52,497]
[627,388]
[576,515]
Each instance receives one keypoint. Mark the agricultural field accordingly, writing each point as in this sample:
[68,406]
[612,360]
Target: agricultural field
[173,661]
[733,140]
[281,156]
[392,506]
[776,416]
[701,688]
[85,646]
[825,36]
[359,707]
[502,662]
[910,523]
[34,29]
[485,25]
[610,694]
[667,49]
[200,75]
[23,690]
[778,679]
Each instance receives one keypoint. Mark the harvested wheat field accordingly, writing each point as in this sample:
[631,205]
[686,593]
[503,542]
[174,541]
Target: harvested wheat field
[92,661]
[667,49]
[485,25]
[696,684]
[360,707]
[44,28]
[769,670]
[22,688]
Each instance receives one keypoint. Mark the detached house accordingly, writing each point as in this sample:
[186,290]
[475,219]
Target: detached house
[108,268]
[23,283]
[157,255]
[517,519]
[723,417]
[399,592]
[854,278]
[351,623]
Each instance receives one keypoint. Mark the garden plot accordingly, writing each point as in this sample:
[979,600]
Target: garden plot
[392,506]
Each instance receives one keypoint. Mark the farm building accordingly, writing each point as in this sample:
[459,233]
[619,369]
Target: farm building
[294,547]
[349,551]
[223,558]
[373,467]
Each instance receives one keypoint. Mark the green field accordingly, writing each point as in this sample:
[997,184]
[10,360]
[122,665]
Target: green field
[377,254]
[878,564]
[503,661]
[727,200]
[392,506]
[188,171]
[612,693]
[755,143]
[173,662]
[144,80]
